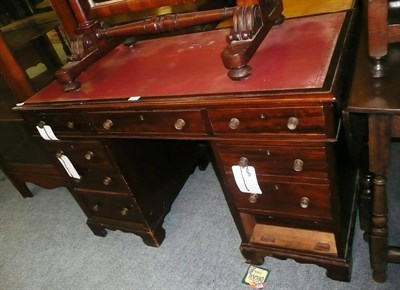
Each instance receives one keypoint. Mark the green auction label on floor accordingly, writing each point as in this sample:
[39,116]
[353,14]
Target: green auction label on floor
[256,277]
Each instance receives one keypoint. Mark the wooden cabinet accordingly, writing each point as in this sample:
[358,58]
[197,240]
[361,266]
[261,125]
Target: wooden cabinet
[132,155]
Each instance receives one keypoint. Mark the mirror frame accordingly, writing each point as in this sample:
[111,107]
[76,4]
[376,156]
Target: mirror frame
[80,13]
[117,7]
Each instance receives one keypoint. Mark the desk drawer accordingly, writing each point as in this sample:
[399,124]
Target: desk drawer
[88,154]
[306,201]
[293,238]
[109,205]
[291,120]
[95,179]
[292,161]
[153,122]
[61,123]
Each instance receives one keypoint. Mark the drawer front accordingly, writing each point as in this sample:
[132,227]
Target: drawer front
[305,201]
[109,205]
[95,179]
[88,154]
[144,122]
[93,164]
[298,120]
[293,238]
[292,161]
[61,123]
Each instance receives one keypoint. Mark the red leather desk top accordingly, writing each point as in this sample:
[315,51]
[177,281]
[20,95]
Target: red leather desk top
[295,55]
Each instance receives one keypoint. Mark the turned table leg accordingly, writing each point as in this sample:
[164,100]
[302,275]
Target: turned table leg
[379,230]
[379,154]
[377,11]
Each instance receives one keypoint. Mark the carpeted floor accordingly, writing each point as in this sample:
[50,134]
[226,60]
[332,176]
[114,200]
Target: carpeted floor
[45,244]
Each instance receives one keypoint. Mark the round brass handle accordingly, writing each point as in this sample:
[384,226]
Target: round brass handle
[298,165]
[70,125]
[108,124]
[234,123]
[41,124]
[124,211]
[292,123]
[107,180]
[304,202]
[243,162]
[179,124]
[89,155]
[95,207]
[59,154]
[253,198]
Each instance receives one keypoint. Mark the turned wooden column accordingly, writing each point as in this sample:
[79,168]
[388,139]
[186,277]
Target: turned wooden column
[379,159]
[377,14]
[66,17]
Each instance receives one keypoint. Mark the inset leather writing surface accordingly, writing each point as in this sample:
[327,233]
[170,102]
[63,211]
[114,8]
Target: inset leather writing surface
[295,55]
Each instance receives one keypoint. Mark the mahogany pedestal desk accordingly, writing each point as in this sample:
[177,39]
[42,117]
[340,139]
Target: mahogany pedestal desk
[132,136]
[377,101]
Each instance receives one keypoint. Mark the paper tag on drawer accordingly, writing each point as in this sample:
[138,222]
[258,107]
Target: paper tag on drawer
[68,166]
[246,179]
[47,133]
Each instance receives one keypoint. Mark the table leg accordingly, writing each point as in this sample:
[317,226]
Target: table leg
[379,230]
[379,154]
[377,16]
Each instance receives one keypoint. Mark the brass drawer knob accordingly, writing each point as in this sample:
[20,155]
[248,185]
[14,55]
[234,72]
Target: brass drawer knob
[234,123]
[243,162]
[179,124]
[108,124]
[107,180]
[253,198]
[59,154]
[292,123]
[70,125]
[89,155]
[41,124]
[95,207]
[124,211]
[298,165]
[304,202]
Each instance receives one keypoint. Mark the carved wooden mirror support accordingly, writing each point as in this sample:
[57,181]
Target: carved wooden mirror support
[250,26]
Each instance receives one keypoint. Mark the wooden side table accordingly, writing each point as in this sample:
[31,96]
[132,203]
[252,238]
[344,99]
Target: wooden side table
[378,101]
[28,41]
[22,159]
